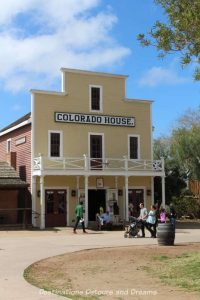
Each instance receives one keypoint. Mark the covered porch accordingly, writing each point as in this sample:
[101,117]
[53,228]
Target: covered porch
[114,175]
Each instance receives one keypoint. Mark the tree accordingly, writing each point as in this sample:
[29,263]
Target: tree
[181,152]
[185,144]
[180,34]
[175,180]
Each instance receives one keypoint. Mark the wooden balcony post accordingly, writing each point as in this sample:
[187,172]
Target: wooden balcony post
[85,162]
[33,200]
[126,199]
[163,191]
[41,162]
[86,201]
[125,163]
[163,164]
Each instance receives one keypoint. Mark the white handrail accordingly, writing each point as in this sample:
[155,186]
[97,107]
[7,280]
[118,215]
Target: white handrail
[106,164]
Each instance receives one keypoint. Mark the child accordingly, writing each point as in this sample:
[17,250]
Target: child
[162,215]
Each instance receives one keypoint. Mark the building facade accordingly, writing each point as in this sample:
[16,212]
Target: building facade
[15,147]
[89,142]
[15,173]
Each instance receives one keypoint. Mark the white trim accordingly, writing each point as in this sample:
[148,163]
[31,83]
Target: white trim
[138,100]
[90,98]
[151,131]
[33,179]
[63,82]
[138,142]
[67,70]
[34,199]
[8,145]
[43,92]
[16,127]
[96,133]
[49,143]
[152,190]
[98,173]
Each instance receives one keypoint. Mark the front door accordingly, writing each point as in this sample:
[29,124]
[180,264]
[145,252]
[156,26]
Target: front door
[96,199]
[55,207]
[135,197]
[96,151]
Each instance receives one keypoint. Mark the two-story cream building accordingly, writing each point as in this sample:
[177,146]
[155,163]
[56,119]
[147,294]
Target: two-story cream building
[91,143]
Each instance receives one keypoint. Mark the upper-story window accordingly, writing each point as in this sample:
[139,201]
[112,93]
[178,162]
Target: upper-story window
[55,144]
[8,145]
[95,98]
[133,147]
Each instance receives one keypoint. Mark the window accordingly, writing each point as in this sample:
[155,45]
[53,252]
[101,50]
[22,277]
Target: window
[8,145]
[96,146]
[133,147]
[95,98]
[55,144]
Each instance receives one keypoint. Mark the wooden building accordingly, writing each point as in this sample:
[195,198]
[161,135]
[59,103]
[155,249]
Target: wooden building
[89,142]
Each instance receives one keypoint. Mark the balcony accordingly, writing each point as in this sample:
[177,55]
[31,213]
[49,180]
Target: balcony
[78,166]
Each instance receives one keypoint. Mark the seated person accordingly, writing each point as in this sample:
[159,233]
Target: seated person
[99,219]
[106,217]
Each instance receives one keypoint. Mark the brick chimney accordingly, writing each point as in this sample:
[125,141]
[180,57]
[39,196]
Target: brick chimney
[11,158]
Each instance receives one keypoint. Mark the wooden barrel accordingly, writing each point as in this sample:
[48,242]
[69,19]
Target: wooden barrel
[165,234]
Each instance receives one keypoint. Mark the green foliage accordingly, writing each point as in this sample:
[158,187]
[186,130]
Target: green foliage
[185,144]
[186,206]
[180,34]
[175,179]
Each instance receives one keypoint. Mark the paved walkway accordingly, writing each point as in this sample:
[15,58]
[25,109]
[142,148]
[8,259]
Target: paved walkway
[19,249]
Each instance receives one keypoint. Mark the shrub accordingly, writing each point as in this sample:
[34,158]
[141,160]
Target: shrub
[186,206]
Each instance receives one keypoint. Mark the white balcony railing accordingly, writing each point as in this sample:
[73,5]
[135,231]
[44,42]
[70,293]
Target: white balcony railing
[86,164]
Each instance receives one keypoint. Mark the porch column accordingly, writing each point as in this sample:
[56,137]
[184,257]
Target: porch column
[126,201]
[34,201]
[42,203]
[163,191]
[116,182]
[152,190]
[77,182]
[86,201]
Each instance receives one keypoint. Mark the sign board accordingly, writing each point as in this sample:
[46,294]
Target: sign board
[66,117]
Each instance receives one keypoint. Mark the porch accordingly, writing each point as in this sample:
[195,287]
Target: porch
[88,168]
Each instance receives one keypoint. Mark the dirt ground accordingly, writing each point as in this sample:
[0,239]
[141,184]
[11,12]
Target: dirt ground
[112,273]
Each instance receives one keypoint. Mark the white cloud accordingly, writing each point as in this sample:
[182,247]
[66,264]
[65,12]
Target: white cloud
[37,38]
[16,107]
[159,76]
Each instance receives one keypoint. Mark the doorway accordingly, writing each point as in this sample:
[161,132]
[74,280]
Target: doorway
[135,197]
[96,198]
[55,208]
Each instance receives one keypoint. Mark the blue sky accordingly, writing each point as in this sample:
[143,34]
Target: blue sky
[38,37]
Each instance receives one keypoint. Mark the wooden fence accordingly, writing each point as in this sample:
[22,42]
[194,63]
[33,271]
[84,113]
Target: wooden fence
[194,187]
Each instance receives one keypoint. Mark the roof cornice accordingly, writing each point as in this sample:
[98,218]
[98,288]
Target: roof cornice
[24,123]
[67,70]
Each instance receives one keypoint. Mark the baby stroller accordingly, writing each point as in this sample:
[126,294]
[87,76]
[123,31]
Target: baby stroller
[133,228]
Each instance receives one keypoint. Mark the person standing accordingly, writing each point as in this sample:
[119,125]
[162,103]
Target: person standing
[142,218]
[162,215]
[151,221]
[79,216]
[101,210]
[172,216]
